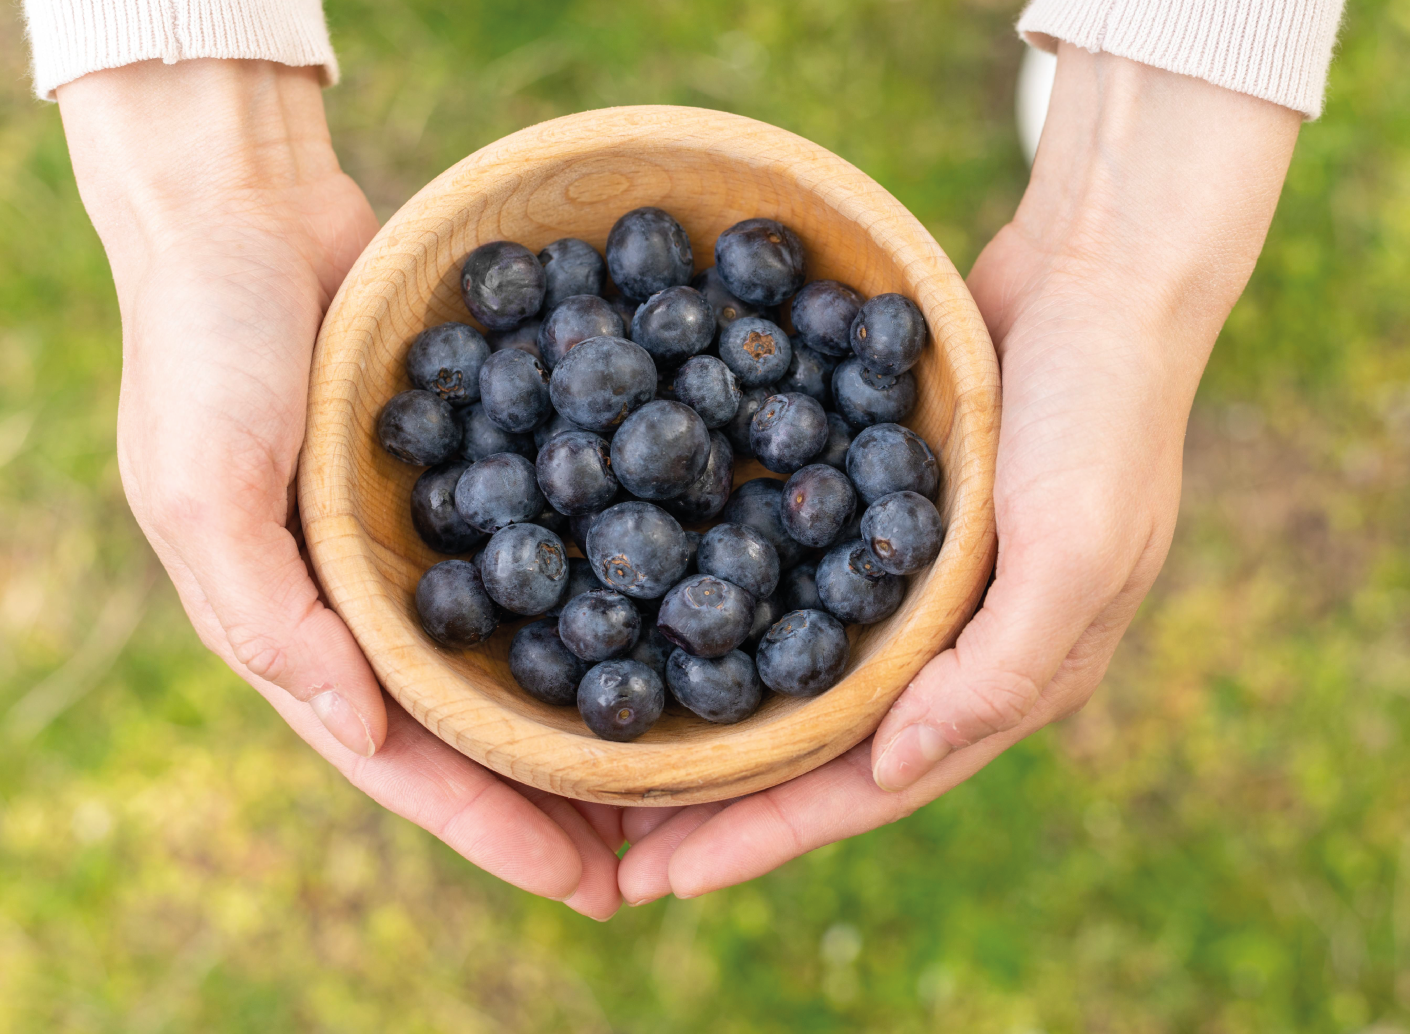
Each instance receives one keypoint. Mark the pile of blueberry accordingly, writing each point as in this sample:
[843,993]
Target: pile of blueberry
[612,422]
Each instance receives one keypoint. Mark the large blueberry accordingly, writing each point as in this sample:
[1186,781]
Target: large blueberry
[446,360]
[888,458]
[660,450]
[674,325]
[575,473]
[767,610]
[740,554]
[709,387]
[523,336]
[620,699]
[903,532]
[433,512]
[809,372]
[726,306]
[572,322]
[839,440]
[740,425]
[600,382]
[760,261]
[419,427]
[514,390]
[524,568]
[570,267]
[502,283]
[788,431]
[756,503]
[545,668]
[578,527]
[867,398]
[854,587]
[804,654]
[454,608]
[706,496]
[706,616]
[599,624]
[499,491]
[823,313]
[817,503]
[888,334]
[798,588]
[723,690]
[648,251]
[756,350]
[638,549]
[481,436]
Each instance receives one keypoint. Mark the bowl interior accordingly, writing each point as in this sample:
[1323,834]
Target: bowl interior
[576,180]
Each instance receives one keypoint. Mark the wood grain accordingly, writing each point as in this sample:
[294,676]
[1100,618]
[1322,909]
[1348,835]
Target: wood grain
[574,177]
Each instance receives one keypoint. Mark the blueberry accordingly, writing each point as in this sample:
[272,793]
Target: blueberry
[817,503]
[621,699]
[851,530]
[798,588]
[756,350]
[624,307]
[756,503]
[599,624]
[867,398]
[524,568]
[499,491]
[502,284]
[737,430]
[709,387]
[839,440]
[600,382]
[545,668]
[803,654]
[575,473]
[453,606]
[514,390]
[888,334]
[555,425]
[888,458]
[853,586]
[580,526]
[446,361]
[580,580]
[674,325]
[433,512]
[809,372]
[572,322]
[767,610]
[903,532]
[652,649]
[523,336]
[648,251]
[760,261]
[552,520]
[419,427]
[723,690]
[706,616]
[570,267]
[706,496]
[726,306]
[738,553]
[638,549]
[660,450]
[788,431]
[823,313]
[481,436]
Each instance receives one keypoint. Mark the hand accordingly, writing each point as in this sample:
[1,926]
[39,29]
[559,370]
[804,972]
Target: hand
[1149,202]
[229,227]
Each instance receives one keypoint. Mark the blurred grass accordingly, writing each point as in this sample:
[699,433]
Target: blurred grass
[1219,843]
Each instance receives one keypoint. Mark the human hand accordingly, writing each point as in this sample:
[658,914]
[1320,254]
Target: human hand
[229,226]
[1149,201]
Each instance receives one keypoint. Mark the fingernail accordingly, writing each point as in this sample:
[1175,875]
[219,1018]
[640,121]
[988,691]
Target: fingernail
[913,752]
[343,722]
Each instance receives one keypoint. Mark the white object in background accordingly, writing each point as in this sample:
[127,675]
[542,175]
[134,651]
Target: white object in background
[1035,89]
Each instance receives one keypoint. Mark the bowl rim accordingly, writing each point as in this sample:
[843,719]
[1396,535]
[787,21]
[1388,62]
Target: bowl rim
[734,760]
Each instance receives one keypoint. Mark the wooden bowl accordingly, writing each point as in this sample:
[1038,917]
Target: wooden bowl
[574,177]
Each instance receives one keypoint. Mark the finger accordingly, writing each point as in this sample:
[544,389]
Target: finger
[644,873]
[606,821]
[597,895]
[638,822]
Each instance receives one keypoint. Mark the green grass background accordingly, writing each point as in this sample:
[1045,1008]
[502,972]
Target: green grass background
[1220,842]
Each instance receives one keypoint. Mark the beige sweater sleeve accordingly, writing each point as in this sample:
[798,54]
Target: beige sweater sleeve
[1278,50]
[70,38]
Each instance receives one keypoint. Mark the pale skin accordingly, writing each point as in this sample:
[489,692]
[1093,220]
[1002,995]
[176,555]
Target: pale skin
[229,226]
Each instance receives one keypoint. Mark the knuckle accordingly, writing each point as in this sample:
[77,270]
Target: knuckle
[999,700]
[261,654]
